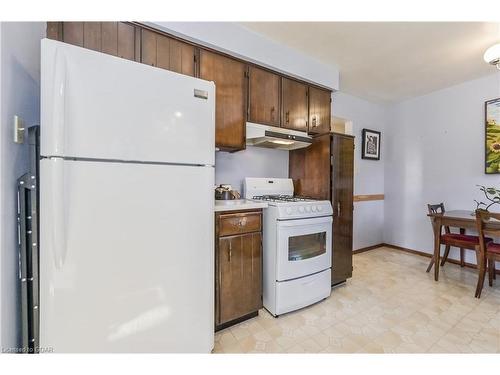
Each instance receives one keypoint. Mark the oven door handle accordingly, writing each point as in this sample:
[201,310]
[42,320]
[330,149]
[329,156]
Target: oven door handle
[302,222]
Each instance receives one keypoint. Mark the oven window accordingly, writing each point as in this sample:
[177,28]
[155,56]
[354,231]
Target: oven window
[306,246]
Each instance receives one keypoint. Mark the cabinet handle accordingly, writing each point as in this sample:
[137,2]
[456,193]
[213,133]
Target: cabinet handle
[287,116]
[272,114]
[230,253]
[338,209]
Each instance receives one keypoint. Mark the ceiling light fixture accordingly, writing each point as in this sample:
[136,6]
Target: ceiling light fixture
[492,55]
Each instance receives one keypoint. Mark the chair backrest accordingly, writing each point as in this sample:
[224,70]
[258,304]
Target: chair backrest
[438,209]
[486,226]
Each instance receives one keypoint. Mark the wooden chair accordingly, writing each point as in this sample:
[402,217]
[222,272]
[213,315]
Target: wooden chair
[487,252]
[460,240]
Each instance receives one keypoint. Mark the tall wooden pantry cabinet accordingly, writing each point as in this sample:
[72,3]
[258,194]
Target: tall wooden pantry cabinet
[325,170]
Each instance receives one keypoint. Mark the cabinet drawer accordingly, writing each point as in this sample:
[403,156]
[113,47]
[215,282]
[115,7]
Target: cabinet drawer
[232,224]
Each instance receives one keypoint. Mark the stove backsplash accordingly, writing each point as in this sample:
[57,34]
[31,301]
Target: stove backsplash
[232,168]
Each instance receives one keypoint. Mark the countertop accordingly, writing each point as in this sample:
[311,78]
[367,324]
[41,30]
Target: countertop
[237,204]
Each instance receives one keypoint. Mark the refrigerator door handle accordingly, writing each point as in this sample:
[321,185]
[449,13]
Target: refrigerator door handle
[58,109]
[57,208]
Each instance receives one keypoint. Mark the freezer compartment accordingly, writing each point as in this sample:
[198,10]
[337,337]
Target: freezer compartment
[98,106]
[126,257]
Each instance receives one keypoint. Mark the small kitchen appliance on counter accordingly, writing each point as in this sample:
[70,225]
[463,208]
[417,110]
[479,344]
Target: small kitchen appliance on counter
[224,192]
[297,245]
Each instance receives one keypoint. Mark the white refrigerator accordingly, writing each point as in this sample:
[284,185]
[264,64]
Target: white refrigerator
[126,206]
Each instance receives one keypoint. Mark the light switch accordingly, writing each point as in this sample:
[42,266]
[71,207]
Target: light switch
[18,129]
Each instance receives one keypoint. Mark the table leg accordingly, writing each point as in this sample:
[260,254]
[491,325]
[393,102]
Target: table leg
[462,251]
[437,246]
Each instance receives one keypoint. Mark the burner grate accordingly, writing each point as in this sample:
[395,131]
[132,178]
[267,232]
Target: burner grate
[282,198]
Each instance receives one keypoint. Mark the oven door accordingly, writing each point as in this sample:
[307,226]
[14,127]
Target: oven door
[304,247]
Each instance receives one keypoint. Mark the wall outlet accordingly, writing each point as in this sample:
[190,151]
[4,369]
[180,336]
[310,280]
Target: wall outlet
[19,129]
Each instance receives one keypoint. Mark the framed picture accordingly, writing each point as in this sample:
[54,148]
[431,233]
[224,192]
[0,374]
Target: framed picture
[370,148]
[492,138]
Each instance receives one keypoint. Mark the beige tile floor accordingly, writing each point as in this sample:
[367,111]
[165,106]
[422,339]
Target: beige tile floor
[389,306]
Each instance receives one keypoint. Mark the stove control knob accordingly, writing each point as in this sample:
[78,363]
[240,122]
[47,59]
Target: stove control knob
[314,208]
[308,208]
[289,210]
[320,208]
[301,209]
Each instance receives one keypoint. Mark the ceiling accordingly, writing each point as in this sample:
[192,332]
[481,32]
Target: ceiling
[391,61]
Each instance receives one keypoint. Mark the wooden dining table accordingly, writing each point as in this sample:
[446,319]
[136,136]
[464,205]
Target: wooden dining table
[465,219]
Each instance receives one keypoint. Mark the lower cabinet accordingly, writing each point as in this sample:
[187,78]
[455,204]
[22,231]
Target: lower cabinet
[238,267]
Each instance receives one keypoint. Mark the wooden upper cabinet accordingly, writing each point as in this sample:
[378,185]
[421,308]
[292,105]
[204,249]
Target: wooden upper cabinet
[264,97]
[230,102]
[73,33]
[310,169]
[125,44]
[294,105]
[167,53]
[319,110]
[114,38]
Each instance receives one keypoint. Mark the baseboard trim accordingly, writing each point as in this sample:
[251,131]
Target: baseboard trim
[412,251]
[415,252]
[368,248]
[427,255]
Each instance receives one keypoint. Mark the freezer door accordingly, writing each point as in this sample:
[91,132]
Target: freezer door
[126,257]
[99,106]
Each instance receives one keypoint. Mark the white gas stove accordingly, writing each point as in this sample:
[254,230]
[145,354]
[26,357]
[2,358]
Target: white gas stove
[297,245]
[278,192]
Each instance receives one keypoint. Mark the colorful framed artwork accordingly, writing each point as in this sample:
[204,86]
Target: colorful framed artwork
[492,141]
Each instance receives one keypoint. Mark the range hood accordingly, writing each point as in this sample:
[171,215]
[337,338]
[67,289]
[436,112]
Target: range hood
[273,137]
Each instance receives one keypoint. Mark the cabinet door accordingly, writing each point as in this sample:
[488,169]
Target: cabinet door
[294,105]
[240,276]
[264,97]
[72,33]
[119,39]
[342,192]
[319,111]
[92,36]
[148,47]
[167,53]
[182,57]
[310,169]
[230,103]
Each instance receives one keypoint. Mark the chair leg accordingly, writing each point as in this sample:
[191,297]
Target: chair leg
[462,261]
[430,264]
[445,256]
[494,270]
[480,272]
[491,268]
[480,281]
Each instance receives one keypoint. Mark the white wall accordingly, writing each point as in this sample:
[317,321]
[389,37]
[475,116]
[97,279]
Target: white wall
[252,162]
[19,94]
[435,152]
[368,174]
[238,41]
